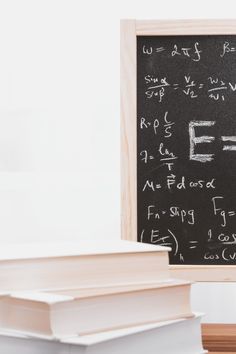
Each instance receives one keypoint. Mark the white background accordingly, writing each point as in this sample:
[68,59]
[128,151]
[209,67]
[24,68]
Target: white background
[59,122]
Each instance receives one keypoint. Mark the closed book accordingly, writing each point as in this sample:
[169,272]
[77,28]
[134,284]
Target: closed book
[182,336]
[80,312]
[62,266]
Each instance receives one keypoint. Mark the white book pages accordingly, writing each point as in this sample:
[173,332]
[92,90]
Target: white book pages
[60,315]
[28,251]
[75,271]
[173,337]
[168,337]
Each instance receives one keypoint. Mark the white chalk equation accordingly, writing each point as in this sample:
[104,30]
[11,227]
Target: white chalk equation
[192,52]
[168,239]
[172,182]
[214,88]
[186,146]
[154,212]
[165,154]
[221,240]
[157,123]
[220,211]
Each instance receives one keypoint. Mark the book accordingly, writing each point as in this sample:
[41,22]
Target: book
[62,266]
[182,336]
[83,312]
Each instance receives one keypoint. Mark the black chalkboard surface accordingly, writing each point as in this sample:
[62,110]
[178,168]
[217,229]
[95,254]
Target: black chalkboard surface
[186,146]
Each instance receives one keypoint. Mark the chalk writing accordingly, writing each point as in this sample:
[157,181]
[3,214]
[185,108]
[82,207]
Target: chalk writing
[186,146]
[214,88]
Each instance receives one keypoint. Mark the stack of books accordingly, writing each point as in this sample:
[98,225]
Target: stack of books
[67,299]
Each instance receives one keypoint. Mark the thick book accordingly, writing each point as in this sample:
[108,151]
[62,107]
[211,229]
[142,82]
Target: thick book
[82,313]
[38,267]
[182,336]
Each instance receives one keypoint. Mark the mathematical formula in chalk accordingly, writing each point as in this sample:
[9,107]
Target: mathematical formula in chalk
[214,88]
[186,146]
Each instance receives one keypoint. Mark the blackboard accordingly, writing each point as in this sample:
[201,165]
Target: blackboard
[186,146]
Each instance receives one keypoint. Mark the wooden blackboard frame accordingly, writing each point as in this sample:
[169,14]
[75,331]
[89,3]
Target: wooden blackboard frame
[130,29]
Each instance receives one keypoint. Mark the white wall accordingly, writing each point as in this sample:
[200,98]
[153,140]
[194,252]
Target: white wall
[59,120]
[216,300]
